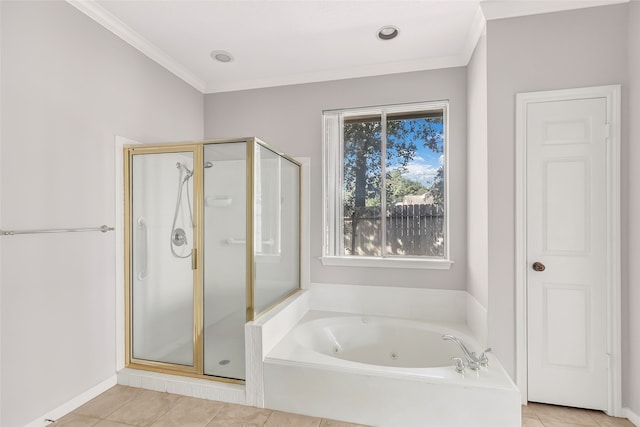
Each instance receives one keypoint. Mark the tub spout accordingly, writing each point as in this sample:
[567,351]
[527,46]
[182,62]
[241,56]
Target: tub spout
[473,362]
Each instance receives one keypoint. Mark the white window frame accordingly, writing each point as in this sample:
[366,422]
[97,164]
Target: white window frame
[333,171]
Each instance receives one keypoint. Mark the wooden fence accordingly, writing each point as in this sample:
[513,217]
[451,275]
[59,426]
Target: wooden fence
[411,230]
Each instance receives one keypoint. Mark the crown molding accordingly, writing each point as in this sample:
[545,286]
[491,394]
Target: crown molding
[92,9]
[487,10]
[500,9]
[103,17]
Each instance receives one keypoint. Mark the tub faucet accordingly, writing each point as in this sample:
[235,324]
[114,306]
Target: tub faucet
[473,362]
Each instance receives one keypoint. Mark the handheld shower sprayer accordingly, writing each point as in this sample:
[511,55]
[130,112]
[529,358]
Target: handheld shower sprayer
[179,235]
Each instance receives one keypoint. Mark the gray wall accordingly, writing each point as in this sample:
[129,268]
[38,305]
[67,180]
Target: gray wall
[631,372]
[477,162]
[68,87]
[290,118]
[586,47]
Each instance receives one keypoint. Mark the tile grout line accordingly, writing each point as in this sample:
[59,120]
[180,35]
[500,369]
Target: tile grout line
[224,405]
[133,396]
[105,418]
[138,394]
[217,413]
[267,420]
[595,421]
[168,409]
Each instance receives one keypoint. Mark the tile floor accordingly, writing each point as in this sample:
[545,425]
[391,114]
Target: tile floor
[539,415]
[123,406]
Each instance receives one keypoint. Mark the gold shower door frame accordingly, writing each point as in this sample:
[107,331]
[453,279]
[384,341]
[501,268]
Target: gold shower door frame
[197,149]
[198,320]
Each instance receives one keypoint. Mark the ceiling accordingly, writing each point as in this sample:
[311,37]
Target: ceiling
[282,42]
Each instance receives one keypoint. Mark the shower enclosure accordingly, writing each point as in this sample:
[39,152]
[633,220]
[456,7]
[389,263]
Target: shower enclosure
[212,234]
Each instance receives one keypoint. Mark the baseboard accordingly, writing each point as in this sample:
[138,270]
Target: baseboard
[74,403]
[631,416]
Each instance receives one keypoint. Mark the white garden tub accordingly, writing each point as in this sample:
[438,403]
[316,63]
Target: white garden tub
[385,372]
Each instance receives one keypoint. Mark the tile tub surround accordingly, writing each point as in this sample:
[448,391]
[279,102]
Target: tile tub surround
[123,406]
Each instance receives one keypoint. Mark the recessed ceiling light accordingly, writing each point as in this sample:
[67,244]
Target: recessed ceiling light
[221,56]
[388,32]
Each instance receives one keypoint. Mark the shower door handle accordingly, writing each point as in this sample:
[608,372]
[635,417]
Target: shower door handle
[194,259]
[143,245]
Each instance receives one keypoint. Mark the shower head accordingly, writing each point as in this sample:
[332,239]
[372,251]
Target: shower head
[185,168]
[189,172]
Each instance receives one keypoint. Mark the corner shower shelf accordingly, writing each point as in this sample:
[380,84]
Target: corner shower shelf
[218,201]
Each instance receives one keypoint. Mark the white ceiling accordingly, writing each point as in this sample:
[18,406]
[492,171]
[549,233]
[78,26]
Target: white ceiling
[276,42]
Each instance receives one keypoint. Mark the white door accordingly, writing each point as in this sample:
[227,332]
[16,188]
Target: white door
[566,252]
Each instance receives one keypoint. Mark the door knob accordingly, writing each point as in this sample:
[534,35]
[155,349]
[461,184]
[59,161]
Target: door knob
[538,266]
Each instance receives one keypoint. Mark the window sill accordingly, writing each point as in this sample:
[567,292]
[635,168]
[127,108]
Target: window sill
[360,261]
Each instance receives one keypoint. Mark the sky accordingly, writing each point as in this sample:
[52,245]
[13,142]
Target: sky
[425,164]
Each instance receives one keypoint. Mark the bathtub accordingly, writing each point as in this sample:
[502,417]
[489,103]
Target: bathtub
[383,371]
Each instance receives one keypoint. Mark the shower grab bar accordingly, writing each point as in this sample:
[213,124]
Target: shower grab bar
[102,228]
[143,229]
[234,241]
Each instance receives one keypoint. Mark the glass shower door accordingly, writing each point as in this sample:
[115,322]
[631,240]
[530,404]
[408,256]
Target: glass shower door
[163,259]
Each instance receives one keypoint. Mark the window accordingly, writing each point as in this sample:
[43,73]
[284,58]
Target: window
[385,186]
